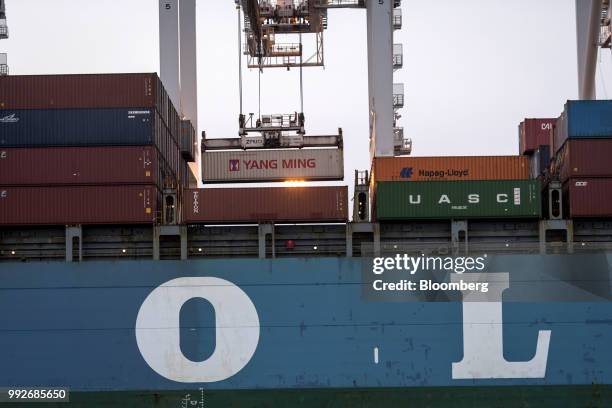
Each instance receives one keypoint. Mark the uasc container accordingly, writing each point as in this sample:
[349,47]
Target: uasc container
[253,205]
[89,91]
[457,199]
[78,205]
[584,120]
[450,168]
[272,165]
[585,158]
[534,133]
[587,197]
[84,165]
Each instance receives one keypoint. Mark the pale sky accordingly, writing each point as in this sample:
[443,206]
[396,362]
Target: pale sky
[472,68]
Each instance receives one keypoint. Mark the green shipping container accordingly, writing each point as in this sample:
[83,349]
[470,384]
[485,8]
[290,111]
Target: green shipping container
[457,199]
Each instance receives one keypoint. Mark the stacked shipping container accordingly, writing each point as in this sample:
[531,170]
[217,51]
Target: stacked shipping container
[98,148]
[583,146]
[255,205]
[535,141]
[406,188]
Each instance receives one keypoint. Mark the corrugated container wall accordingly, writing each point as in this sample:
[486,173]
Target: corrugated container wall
[78,205]
[585,158]
[450,168]
[89,91]
[457,199]
[534,133]
[584,120]
[587,197]
[84,165]
[272,165]
[252,205]
[539,161]
[87,127]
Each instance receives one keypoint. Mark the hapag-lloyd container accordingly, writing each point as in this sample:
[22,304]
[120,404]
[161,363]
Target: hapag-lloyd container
[87,127]
[534,133]
[89,91]
[278,204]
[585,158]
[61,205]
[272,165]
[84,165]
[457,199]
[587,197]
[450,168]
[584,120]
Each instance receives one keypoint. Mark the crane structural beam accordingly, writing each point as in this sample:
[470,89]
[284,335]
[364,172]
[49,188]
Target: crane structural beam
[588,23]
[178,63]
[3,25]
[290,142]
[380,77]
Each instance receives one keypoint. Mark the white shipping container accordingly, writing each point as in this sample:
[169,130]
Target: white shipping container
[272,165]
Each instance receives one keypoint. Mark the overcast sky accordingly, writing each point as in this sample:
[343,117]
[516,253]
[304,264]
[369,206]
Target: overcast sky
[472,68]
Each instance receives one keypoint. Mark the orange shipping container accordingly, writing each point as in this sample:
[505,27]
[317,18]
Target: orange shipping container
[450,168]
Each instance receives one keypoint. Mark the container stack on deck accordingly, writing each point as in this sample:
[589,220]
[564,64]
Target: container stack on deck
[89,149]
[583,144]
[413,188]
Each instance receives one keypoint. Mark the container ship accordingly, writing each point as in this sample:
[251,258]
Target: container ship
[463,281]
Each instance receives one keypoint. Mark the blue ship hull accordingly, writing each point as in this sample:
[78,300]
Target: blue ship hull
[75,326]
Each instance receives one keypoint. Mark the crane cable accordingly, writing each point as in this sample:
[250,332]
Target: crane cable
[239,58]
[301,78]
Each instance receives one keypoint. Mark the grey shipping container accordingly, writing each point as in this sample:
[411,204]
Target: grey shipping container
[89,91]
[189,142]
[88,127]
[272,165]
[78,205]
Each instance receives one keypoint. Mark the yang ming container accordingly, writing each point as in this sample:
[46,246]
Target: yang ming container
[534,133]
[253,205]
[585,158]
[584,120]
[84,165]
[450,168]
[587,197]
[272,165]
[87,127]
[78,205]
[89,91]
[457,199]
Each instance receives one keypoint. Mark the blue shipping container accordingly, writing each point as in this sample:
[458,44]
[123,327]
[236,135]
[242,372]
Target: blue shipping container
[584,120]
[76,127]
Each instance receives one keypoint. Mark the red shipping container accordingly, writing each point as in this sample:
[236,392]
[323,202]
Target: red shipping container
[84,165]
[89,91]
[587,197]
[277,204]
[78,205]
[584,158]
[534,133]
